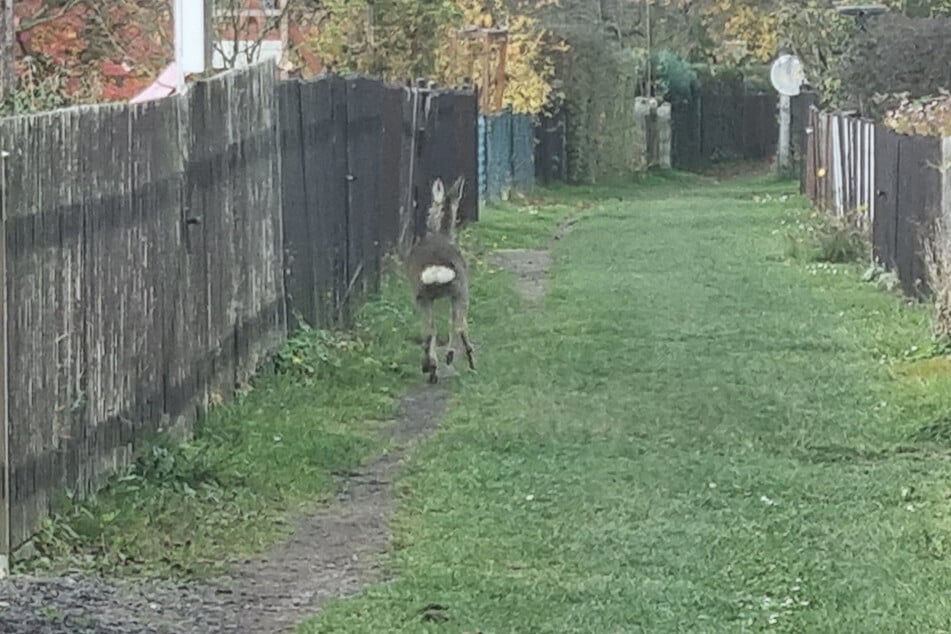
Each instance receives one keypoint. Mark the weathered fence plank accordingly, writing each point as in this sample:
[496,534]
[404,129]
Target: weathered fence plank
[390,184]
[364,161]
[302,301]
[919,184]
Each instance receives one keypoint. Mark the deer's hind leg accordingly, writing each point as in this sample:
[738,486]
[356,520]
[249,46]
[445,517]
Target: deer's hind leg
[428,363]
[460,329]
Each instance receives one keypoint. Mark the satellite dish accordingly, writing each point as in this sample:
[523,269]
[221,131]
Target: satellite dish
[786,75]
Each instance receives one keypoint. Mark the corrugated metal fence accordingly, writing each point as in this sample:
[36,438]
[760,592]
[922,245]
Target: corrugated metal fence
[506,155]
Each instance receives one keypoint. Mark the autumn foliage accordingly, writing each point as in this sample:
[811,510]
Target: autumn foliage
[80,51]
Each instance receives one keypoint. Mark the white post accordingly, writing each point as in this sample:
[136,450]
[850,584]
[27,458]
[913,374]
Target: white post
[783,157]
[664,134]
[191,49]
[642,109]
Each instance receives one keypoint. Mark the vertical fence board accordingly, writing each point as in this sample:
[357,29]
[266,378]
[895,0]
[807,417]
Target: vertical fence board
[918,208]
[364,158]
[885,226]
[298,242]
[390,175]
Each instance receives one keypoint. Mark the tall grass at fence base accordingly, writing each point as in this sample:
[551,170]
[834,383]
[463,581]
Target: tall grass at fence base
[938,261]
[824,238]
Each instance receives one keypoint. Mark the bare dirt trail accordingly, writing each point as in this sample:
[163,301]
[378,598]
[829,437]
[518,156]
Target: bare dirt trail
[333,553]
[532,266]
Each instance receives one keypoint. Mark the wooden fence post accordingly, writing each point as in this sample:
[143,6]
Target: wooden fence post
[5,470]
[946,181]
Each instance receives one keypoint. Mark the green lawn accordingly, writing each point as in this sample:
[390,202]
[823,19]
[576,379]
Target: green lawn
[692,434]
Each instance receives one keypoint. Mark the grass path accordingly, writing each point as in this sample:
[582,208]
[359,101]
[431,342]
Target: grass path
[691,434]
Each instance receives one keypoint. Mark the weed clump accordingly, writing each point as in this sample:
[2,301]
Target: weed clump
[830,239]
[938,261]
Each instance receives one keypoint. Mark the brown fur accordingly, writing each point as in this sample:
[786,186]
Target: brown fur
[438,248]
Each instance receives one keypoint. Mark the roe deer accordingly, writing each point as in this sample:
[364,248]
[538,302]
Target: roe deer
[437,270]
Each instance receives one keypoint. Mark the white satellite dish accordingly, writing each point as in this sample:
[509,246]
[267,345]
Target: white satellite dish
[786,75]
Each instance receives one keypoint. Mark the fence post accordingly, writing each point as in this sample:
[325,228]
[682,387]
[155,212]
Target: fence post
[785,123]
[946,181]
[4,418]
[663,134]
[642,111]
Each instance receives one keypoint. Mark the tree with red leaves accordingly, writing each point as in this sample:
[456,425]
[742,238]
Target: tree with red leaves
[82,51]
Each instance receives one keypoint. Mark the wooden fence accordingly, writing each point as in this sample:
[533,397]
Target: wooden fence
[896,186]
[713,126]
[147,246]
[358,157]
[551,148]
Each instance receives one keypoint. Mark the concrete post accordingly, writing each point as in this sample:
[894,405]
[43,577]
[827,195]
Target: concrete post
[642,111]
[664,135]
[785,122]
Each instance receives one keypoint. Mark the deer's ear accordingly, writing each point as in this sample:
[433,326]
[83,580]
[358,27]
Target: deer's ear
[457,189]
[439,191]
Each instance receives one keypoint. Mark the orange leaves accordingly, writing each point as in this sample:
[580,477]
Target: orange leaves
[106,51]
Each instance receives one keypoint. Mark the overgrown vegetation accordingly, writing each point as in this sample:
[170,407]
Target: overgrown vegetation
[897,56]
[926,116]
[600,85]
[185,509]
[821,237]
[938,261]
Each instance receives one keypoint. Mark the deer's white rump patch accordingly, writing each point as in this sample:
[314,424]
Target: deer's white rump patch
[437,275]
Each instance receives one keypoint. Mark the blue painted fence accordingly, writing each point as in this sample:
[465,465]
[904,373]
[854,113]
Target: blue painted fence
[506,155]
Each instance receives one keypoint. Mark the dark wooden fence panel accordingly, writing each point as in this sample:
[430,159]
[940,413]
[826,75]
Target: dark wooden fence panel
[391,168]
[551,150]
[299,279]
[685,129]
[451,150]
[885,225]
[364,152]
[716,124]
[368,154]
[919,184]
[760,126]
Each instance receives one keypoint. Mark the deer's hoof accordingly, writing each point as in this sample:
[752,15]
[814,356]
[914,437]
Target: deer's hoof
[433,379]
[450,355]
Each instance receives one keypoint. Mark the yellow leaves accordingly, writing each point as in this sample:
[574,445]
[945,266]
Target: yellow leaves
[749,22]
[529,67]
